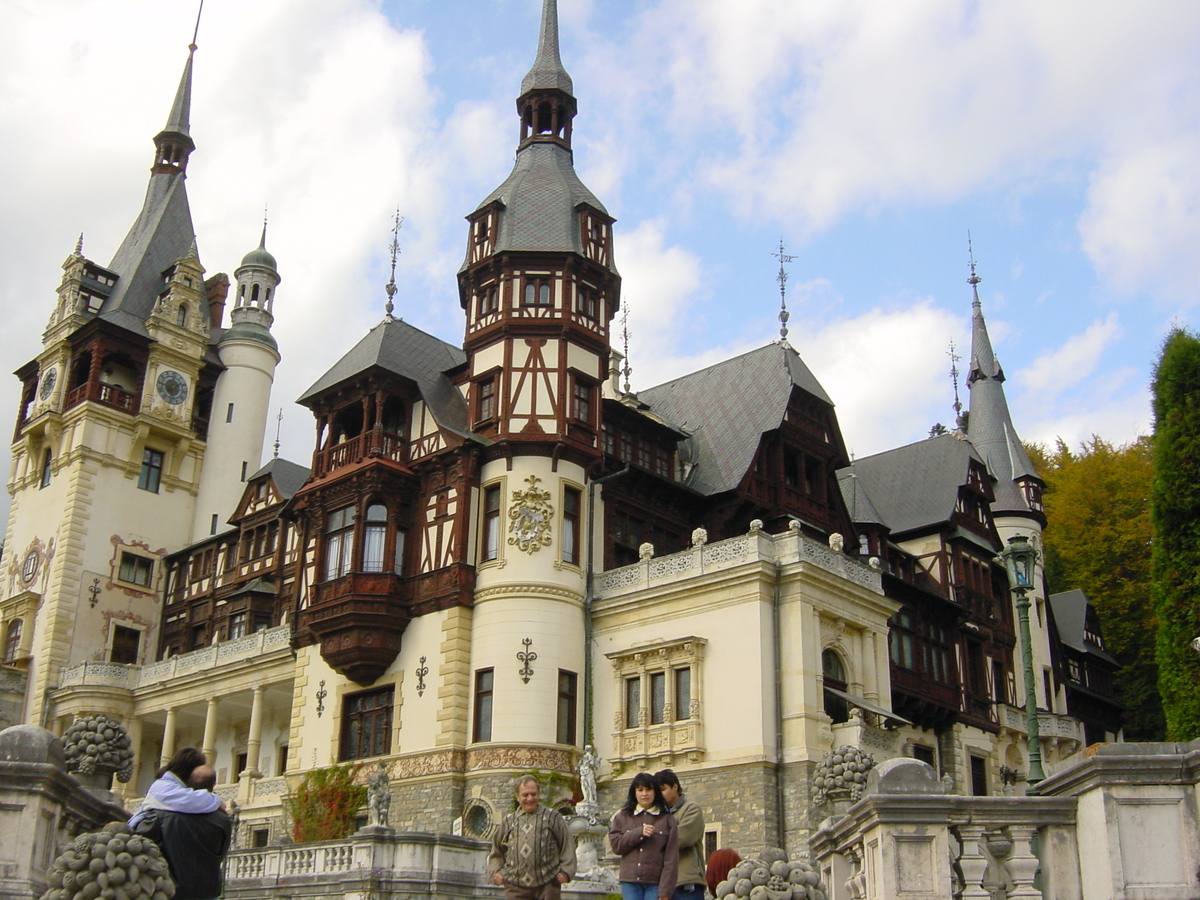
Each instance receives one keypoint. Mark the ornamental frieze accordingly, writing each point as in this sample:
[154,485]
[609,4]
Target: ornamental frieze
[520,758]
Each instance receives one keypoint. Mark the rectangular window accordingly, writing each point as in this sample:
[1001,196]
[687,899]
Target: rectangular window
[339,542]
[979,776]
[398,565]
[237,625]
[683,693]
[125,645]
[658,697]
[924,754]
[1048,686]
[572,500]
[281,765]
[367,724]
[240,764]
[260,837]
[484,679]
[582,409]
[229,413]
[136,569]
[486,407]
[151,474]
[47,459]
[633,701]
[585,302]
[491,522]
[488,301]
[567,687]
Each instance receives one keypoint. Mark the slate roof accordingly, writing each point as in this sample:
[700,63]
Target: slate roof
[547,70]
[162,234]
[397,347]
[990,424]
[915,486]
[288,476]
[858,501]
[1070,615]
[729,406]
[540,197]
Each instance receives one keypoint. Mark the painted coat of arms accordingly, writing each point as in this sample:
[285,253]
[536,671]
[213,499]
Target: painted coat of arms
[530,515]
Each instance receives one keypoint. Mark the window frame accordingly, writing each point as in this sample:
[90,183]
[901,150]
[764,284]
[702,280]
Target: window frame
[132,565]
[568,706]
[481,716]
[379,716]
[122,648]
[491,540]
[12,639]
[337,538]
[150,476]
[671,724]
[485,400]
[542,296]
[582,397]
[572,515]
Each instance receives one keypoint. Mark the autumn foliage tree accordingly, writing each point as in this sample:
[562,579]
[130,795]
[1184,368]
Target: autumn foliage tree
[1098,539]
[325,805]
[1175,506]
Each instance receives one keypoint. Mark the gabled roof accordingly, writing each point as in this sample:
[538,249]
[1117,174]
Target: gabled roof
[729,406]
[858,501]
[1070,609]
[397,347]
[288,476]
[915,486]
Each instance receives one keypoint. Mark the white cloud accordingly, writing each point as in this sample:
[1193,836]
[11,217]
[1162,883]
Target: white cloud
[1075,360]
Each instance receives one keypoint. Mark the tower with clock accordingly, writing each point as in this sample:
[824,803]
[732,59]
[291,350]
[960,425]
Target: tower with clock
[115,432]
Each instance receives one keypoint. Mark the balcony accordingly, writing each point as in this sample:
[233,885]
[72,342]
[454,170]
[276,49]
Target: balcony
[108,394]
[359,620]
[373,444]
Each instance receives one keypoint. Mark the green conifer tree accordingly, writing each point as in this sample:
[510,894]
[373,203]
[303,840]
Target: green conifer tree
[1175,511]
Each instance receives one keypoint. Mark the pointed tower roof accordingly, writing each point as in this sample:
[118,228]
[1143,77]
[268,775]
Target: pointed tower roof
[547,71]
[989,425]
[163,232]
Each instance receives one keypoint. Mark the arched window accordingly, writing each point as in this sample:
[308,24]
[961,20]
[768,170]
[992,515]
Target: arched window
[181,318]
[254,293]
[339,539]
[12,640]
[374,538]
[834,671]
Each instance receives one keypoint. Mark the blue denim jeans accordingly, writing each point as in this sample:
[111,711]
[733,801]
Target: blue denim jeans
[688,892]
[633,890]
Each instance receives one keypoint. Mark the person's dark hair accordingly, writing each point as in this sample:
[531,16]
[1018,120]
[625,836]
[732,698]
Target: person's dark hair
[665,777]
[643,779]
[182,764]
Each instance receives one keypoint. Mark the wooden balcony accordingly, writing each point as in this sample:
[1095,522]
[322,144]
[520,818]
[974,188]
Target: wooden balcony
[373,444]
[359,620]
[108,394]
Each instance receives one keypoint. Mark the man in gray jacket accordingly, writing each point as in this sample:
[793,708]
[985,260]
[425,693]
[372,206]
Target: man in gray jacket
[689,821]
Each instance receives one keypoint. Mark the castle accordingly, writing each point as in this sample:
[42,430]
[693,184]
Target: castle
[497,553]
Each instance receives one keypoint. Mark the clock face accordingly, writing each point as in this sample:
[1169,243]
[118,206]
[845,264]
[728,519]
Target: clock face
[48,382]
[172,387]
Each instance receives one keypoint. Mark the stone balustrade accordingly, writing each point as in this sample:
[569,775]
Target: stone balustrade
[757,546]
[107,674]
[1120,823]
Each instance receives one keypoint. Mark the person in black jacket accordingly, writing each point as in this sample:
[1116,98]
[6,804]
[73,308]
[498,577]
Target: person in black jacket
[194,844]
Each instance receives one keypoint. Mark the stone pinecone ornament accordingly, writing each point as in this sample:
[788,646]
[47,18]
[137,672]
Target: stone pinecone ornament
[843,769]
[98,744]
[772,877]
[112,864]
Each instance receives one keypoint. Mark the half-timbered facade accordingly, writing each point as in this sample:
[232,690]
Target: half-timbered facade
[495,554]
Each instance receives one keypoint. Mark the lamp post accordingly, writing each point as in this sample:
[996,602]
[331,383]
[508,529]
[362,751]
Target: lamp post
[1019,559]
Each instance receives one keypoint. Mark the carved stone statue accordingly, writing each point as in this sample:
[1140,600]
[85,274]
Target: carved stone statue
[699,537]
[836,542]
[379,795]
[589,764]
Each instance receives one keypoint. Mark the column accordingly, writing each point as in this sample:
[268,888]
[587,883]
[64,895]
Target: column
[209,747]
[870,668]
[254,741]
[168,742]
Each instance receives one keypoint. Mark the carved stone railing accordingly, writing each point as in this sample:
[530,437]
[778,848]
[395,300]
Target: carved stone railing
[220,654]
[374,862]
[789,547]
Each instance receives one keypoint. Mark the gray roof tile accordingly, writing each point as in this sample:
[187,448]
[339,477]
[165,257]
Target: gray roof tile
[288,476]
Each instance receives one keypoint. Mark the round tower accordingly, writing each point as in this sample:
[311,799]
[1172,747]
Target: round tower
[243,392]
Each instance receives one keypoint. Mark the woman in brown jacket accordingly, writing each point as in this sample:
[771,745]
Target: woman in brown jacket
[643,834]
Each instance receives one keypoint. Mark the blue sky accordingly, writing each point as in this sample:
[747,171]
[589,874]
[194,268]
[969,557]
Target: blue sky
[870,137]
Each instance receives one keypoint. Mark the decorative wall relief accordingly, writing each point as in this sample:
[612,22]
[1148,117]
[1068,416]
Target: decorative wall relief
[529,517]
[525,657]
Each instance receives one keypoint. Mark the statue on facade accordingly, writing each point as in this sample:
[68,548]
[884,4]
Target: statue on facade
[379,795]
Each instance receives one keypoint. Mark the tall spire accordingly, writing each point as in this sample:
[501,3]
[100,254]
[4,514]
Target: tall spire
[547,71]
[782,278]
[989,423]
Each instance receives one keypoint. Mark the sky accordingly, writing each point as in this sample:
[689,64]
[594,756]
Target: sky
[870,138]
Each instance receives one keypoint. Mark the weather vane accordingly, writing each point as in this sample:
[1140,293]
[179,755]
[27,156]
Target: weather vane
[782,278]
[278,426]
[974,279]
[391,285]
[954,358]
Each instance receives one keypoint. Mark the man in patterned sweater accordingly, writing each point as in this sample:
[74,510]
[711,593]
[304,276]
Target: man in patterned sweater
[533,853]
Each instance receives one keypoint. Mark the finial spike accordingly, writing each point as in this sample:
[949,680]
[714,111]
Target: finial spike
[79,245]
[389,307]
[782,278]
[262,244]
[626,369]
[278,426]
[196,31]
[954,359]
[974,279]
